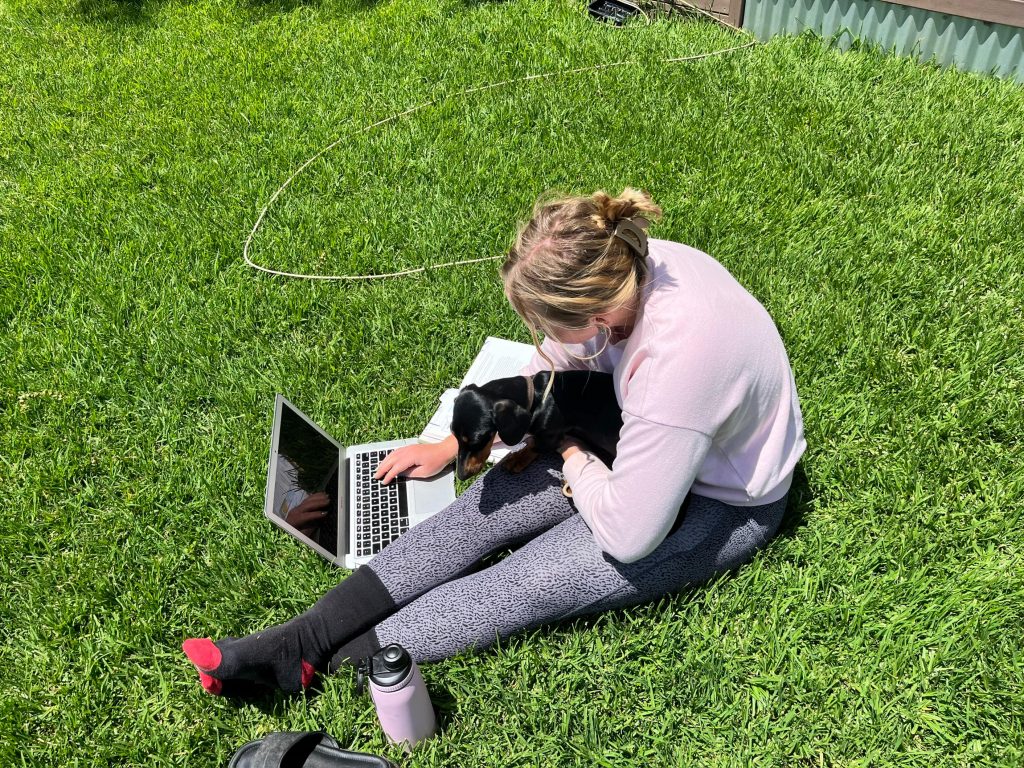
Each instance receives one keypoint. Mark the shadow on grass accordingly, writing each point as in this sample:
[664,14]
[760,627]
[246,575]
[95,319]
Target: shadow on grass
[122,13]
[285,6]
[797,506]
[116,12]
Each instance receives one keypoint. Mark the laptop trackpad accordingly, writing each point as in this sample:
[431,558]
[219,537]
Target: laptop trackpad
[429,496]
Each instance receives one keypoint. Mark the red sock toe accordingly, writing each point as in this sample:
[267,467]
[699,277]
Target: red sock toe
[308,673]
[211,684]
[203,653]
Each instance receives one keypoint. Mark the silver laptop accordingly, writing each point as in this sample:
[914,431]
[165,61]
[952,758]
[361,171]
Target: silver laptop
[324,494]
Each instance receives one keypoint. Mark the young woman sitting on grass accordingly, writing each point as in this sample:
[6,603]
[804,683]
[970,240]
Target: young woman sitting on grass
[711,434]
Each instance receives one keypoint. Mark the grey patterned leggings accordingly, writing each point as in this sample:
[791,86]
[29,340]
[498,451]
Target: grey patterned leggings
[558,572]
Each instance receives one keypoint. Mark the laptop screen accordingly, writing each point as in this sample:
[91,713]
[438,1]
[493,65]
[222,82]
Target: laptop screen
[307,465]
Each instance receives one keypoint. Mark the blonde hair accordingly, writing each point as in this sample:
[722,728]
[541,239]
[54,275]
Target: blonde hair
[567,265]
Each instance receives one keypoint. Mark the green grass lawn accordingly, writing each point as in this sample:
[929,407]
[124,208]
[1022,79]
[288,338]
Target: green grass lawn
[874,205]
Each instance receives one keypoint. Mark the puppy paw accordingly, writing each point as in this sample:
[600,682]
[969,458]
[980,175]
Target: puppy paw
[518,461]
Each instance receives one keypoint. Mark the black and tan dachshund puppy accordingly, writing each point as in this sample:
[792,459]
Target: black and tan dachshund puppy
[581,404]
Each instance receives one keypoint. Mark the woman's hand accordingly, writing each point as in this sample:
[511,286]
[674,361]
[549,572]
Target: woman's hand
[571,445]
[422,460]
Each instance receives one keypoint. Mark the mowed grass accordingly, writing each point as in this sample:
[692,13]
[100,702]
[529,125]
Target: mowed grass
[874,205]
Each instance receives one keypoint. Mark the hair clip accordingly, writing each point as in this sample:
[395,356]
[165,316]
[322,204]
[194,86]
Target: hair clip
[632,235]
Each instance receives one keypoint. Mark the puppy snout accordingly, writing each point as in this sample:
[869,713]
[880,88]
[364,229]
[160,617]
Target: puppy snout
[469,464]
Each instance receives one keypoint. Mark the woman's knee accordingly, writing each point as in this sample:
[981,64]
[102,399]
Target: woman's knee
[760,525]
[492,514]
[560,570]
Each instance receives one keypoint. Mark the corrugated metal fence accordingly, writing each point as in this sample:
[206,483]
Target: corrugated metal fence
[968,44]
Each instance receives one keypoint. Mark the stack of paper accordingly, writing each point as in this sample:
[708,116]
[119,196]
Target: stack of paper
[497,359]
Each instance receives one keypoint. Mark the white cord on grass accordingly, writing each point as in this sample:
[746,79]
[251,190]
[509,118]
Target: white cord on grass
[424,105]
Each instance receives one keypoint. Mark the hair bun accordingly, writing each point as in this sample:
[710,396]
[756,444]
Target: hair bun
[630,203]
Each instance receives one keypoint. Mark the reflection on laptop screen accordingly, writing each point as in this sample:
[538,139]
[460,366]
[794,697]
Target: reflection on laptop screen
[307,464]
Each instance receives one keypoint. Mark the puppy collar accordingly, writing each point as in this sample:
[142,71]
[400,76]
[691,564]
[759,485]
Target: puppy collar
[529,392]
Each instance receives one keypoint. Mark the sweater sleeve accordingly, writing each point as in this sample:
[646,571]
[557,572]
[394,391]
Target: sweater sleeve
[631,508]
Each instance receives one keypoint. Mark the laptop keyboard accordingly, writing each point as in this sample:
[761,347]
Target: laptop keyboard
[381,512]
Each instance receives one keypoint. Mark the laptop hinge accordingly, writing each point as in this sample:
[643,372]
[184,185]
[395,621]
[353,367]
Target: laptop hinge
[345,501]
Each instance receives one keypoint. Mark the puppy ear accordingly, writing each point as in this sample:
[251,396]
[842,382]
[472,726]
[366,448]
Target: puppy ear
[512,421]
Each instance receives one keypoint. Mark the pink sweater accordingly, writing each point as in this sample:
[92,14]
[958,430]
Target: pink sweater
[709,405]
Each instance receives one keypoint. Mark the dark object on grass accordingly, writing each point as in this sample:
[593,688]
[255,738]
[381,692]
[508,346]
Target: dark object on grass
[615,12]
[295,749]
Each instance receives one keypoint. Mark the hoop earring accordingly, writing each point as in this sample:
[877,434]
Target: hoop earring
[602,329]
[605,331]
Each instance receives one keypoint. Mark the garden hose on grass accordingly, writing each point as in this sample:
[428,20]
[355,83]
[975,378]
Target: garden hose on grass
[433,102]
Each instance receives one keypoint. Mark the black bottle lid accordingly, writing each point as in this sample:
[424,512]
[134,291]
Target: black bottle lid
[395,657]
[390,665]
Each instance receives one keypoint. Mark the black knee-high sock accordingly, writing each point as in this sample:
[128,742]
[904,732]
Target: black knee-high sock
[355,650]
[274,656]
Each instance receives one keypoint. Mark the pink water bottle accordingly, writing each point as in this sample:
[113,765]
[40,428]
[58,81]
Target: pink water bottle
[400,696]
